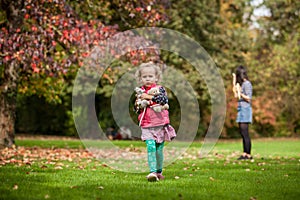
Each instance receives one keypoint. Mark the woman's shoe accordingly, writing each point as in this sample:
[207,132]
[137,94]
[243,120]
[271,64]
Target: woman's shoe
[245,158]
[242,158]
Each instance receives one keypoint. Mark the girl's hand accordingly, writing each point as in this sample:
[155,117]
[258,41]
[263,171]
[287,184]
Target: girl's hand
[146,96]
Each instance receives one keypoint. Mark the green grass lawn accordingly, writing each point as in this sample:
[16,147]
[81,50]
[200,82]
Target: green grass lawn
[63,169]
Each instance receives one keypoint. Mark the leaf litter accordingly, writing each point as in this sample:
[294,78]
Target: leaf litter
[131,156]
[53,156]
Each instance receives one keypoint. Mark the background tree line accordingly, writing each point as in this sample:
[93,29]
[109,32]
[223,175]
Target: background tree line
[233,32]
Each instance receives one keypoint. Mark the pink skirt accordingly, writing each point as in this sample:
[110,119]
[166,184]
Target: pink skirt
[159,134]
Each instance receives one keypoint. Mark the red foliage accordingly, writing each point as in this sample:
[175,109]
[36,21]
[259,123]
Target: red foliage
[51,28]
[53,37]
[264,111]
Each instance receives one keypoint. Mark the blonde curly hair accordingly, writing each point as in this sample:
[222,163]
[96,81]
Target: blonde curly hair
[158,72]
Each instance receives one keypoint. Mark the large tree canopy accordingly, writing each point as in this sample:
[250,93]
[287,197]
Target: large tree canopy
[44,41]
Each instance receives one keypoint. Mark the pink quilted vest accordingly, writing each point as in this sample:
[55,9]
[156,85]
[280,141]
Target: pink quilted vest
[152,118]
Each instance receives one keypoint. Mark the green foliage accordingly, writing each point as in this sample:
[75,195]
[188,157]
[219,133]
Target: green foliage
[36,116]
[283,20]
[221,29]
[196,19]
[91,10]
[276,66]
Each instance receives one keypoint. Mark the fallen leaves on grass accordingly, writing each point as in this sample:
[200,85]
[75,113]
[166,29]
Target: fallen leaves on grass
[15,187]
[29,155]
[131,159]
[58,167]
[101,188]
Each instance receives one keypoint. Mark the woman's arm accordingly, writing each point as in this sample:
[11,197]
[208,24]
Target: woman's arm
[246,94]
[234,88]
[245,97]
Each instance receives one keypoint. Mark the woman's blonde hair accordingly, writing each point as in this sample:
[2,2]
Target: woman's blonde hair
[158,72]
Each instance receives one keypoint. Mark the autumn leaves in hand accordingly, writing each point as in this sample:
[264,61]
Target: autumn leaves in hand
[236,87]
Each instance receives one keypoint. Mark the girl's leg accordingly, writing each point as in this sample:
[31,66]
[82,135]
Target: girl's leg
[151,150]
[246,138]
[159,156]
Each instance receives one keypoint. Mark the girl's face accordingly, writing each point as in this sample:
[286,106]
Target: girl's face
[148,76]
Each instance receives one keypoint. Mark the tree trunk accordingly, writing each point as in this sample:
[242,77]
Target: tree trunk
[8,83]
[8,95]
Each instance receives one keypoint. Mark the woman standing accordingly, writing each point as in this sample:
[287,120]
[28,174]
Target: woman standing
[243,90]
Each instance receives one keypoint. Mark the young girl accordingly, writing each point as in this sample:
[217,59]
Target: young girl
[243,88]
[155,125]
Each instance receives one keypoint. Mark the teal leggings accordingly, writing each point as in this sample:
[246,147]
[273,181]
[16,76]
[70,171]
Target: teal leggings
[155,155]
